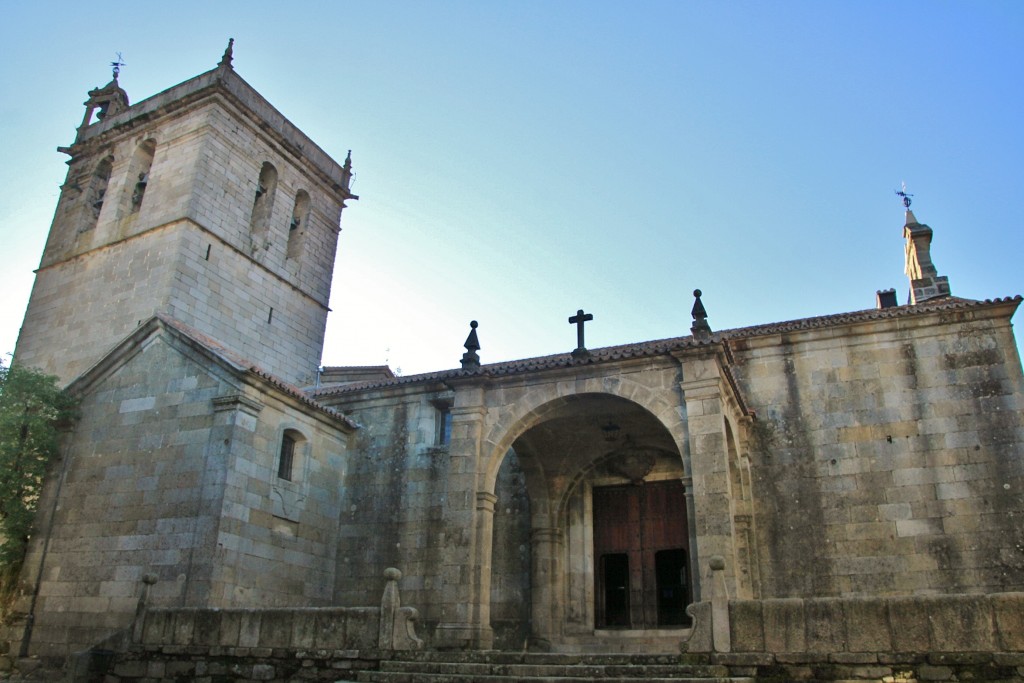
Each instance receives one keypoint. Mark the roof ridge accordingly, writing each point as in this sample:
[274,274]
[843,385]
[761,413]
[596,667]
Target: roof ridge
[658,346]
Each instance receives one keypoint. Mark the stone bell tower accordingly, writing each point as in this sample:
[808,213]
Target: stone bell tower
[202,203]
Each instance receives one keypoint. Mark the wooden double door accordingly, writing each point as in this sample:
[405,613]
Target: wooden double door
[641,553]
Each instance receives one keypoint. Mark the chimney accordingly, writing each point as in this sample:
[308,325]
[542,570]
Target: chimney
[885,298]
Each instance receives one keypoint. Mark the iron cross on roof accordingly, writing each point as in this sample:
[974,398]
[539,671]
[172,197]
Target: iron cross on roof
[578,321]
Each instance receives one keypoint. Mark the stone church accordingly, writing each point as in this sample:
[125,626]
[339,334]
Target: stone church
[580,501]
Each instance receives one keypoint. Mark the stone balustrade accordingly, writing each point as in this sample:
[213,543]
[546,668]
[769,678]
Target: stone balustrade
[954,623]
[388,627]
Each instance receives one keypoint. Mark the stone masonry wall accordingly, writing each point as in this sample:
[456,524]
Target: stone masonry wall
[228,160]
[172,470]
[80,308]
[246,308]
[888,459]
[392,501]
[277,538]
[511,561]
[136,478]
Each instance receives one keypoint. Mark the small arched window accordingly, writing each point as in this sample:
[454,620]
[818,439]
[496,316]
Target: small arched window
[138,174]
[263,203]
[97,191]
[299,224]
[288,458]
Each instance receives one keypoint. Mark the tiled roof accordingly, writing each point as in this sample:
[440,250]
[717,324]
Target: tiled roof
[355,368]
[662,346]
[947,303]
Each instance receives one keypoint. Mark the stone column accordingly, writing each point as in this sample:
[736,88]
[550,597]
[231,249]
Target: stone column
[546,585]
[702,394]
[484,543]
[691,524]
[461,605]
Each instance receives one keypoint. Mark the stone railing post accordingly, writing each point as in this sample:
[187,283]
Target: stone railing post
[397,624]
[720,636]
[139,622]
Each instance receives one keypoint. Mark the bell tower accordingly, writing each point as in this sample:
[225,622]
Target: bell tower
[202,203]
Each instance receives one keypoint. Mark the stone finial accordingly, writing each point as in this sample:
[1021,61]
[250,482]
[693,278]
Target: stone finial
[700,328]
[346,172]
[139,622]
[229,54]
[471,359]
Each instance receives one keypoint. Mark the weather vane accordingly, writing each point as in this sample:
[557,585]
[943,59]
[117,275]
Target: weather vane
[904,195]
[117,65]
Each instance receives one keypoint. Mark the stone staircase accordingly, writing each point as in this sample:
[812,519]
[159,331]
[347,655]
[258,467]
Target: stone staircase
[649,641]
[505,667]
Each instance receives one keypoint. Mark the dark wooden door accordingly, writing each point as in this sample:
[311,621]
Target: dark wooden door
[641,552]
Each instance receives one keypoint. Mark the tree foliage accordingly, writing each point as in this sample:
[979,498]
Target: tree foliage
[33,409]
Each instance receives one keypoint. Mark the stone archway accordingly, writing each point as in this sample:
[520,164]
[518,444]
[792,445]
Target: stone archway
[580,444]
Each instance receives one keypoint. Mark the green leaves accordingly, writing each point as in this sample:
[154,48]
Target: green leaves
[33,410]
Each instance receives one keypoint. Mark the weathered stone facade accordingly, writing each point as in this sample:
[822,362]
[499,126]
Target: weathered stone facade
[172,471]
[884,458]
[574,502]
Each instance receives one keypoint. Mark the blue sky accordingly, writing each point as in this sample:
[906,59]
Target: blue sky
[517,161]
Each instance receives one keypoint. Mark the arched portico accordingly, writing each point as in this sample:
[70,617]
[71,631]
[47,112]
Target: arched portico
[585,457]
[574,433]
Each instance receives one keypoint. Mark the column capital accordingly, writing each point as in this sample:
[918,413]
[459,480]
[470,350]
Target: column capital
[485,500]
[546,535]
[466,413]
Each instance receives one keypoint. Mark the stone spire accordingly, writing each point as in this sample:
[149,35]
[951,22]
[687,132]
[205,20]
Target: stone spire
[229,54]
[925,282]
[471,359]
[701,329]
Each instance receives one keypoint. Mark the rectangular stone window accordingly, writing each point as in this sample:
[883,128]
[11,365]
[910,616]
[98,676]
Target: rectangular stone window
[284,463]
[444,425]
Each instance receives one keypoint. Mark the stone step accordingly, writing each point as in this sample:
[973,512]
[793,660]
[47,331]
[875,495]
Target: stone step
[531,667]
[500,657]
[649,641]
[584,670]
[410,677]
